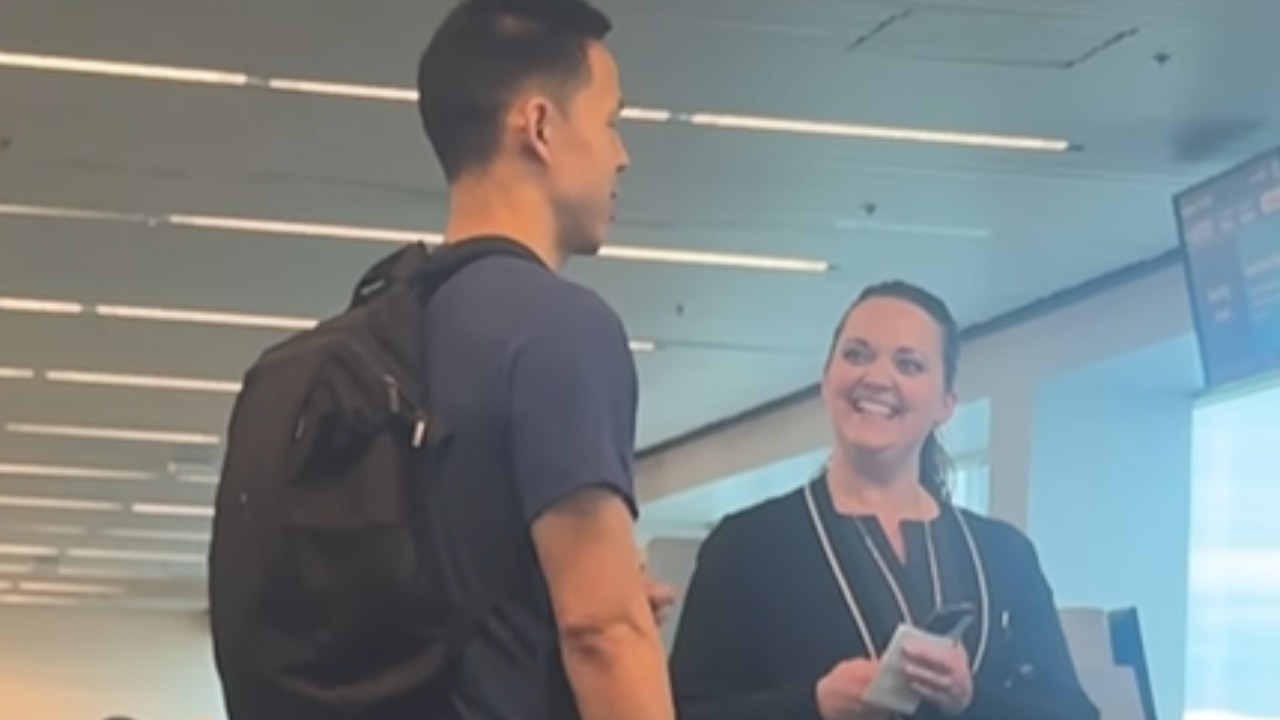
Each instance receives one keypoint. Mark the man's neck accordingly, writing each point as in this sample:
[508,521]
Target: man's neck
[488,207]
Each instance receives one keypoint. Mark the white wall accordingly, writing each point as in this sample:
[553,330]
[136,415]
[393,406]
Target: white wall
[64,664]
[1110,502]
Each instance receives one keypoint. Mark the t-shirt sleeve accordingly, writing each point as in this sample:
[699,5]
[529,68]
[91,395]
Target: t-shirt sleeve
[573,406]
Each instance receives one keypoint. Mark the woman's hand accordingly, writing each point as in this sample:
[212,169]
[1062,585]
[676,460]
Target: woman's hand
[940,674]
[661,596]
[840,692]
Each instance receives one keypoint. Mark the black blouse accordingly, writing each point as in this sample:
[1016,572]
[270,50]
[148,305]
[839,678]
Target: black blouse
[765,616]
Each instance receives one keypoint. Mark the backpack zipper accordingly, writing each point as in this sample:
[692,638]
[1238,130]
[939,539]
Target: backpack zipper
[394,394]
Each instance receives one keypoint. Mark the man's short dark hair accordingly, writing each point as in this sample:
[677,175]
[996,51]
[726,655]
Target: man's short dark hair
[485,52]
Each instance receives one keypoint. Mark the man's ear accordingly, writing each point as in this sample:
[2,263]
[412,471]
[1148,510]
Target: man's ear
[534,118]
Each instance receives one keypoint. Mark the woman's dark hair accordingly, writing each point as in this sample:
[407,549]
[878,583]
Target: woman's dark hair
[935,463]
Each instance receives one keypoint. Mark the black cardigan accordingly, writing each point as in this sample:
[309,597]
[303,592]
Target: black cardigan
[763,619]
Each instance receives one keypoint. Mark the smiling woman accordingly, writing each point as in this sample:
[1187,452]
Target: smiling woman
[914,333]
[875,542]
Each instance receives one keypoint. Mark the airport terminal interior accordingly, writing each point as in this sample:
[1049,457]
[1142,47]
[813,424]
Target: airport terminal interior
[1093,186]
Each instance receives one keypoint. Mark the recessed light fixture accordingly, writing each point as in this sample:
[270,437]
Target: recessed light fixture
[377,93]
[82,432]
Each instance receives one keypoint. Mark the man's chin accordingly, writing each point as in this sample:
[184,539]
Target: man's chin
[587,247]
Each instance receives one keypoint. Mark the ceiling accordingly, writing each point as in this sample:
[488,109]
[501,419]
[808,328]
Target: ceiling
[256,169]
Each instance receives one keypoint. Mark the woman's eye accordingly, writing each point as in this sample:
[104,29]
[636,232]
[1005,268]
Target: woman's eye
[910,366]
[856,355]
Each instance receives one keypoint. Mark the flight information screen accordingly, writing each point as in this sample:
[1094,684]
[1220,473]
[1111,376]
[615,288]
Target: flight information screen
[1230,231]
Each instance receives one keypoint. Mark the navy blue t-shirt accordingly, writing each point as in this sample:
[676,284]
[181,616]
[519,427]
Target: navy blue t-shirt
[534,376]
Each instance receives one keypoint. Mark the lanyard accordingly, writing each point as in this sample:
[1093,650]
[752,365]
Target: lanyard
[855,609]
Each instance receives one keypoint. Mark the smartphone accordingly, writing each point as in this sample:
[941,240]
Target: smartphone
[951,621]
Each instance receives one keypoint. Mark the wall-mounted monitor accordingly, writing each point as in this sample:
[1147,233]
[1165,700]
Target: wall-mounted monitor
[1229,228]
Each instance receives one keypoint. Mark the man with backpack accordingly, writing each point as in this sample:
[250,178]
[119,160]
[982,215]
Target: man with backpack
[427,503]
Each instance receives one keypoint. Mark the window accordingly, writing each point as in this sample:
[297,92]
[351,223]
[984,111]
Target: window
[971,483]
[1233,626]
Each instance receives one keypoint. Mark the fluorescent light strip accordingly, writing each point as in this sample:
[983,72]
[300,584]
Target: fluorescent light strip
[345,90]
[75,473]
[713,259]
[139,71]
[390,235]
[58,588]
[200,76]
[118,434]
[65,530]
[37,601]
[81,553]
[168,535]
[649,115]
[92,573]
[44,212]
[28,551]
[909,229]
[34,305]
[280,227]
[194,473]
[12,373]
[877,132]
[147,382]
[203,317]
[23,502]
[401,236]
[170,510]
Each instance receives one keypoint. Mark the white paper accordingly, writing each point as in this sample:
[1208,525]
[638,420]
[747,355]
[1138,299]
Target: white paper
[890,689]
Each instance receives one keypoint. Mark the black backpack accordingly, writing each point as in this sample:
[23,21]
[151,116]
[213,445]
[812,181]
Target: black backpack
[327,597]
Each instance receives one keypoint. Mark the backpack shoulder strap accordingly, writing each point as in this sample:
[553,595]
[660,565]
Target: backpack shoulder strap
[428,268]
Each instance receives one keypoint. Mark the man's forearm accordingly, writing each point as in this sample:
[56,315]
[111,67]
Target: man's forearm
[619,673]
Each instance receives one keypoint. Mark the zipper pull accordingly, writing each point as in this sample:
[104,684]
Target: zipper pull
[393,393]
